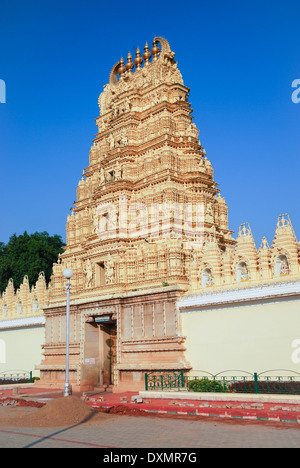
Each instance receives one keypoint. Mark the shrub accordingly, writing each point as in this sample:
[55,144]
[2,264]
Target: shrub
[206,385]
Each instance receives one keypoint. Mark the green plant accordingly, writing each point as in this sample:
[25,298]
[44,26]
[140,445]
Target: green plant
[206,385]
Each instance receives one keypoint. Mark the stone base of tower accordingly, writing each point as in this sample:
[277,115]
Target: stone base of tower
[114,341]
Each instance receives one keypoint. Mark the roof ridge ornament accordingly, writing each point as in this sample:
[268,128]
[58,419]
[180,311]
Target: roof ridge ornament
[138,59]
[284,220]
[162,53]
[245,230]
[129,65]
[155,51]
[146,55]
[264,243]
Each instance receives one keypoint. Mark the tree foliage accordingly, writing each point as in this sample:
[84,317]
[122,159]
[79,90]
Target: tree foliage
[28,254]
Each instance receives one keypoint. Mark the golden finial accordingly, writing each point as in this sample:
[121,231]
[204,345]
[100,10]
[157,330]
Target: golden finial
[121,69]
[138,59]
[155,50]
[129,65]
[146,55]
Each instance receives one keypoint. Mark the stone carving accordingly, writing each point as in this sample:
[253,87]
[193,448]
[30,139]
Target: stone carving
[124,140]
[102,176]
[105,99]
[88,271]
[109,270]
[118,172]
[111,141]
[209,217]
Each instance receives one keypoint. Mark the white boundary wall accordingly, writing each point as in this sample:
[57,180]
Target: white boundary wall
[21,343]
[251,329]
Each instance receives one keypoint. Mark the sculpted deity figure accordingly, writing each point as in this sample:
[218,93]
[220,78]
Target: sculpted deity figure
[118,171]
[88,271]
[95,220]
[169,58]
[109,270]
[209,213]
[111,141]
[124,140]
[102,176]
[284,270]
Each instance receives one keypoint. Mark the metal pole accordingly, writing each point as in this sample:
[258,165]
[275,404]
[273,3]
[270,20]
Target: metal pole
[68,388]
[256,382]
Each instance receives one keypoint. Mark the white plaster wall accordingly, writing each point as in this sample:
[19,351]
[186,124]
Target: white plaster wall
[248,337]
[21,349]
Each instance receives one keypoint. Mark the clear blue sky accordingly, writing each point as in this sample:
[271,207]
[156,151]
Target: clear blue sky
[238,58]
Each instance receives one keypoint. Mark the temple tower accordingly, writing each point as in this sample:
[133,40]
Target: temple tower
[146,205]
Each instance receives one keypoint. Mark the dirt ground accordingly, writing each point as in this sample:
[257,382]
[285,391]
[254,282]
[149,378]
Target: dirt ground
[69,411]
[64,411]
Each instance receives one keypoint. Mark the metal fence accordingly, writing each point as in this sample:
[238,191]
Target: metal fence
[16,376]
[280,381]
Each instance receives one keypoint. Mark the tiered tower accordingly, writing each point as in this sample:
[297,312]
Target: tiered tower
[148,198]
[145,205]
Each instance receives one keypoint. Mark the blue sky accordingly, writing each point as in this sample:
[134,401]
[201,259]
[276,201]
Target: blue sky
[238,58]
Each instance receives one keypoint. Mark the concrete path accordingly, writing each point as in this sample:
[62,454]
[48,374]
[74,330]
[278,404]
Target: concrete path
[145,432]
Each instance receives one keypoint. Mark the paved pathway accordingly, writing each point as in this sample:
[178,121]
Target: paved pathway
[144,432]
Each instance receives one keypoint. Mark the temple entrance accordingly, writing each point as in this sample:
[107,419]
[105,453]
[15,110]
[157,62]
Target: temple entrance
[99,353]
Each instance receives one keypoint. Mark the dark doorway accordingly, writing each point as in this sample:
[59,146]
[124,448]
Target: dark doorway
[107,352]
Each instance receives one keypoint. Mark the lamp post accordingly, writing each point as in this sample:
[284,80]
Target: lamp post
[68,273]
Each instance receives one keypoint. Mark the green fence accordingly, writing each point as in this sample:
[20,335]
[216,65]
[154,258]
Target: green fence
[18,376]
[280,381]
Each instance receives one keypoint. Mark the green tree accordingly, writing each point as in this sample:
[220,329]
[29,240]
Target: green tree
[28,254]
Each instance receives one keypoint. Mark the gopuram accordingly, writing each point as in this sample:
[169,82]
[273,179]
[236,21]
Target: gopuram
[144,205]
[148,227]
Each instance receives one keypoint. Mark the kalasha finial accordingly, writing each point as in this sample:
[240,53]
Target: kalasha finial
[129,65]
[155,50]
[147,54]
[121,69]
[138,59]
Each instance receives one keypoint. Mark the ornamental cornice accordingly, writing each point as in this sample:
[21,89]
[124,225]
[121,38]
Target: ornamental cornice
[228,296]
[153,366]
[23,322]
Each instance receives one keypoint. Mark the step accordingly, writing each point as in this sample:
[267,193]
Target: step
[104,389]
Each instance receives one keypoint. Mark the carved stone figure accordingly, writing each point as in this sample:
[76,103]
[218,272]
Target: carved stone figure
[111,141]
[209,216]
[88,271]
[118,172]
[109,270]
[124,140]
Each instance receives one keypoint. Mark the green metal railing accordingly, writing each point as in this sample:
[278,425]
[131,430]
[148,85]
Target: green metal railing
[17,376]
[288,382]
